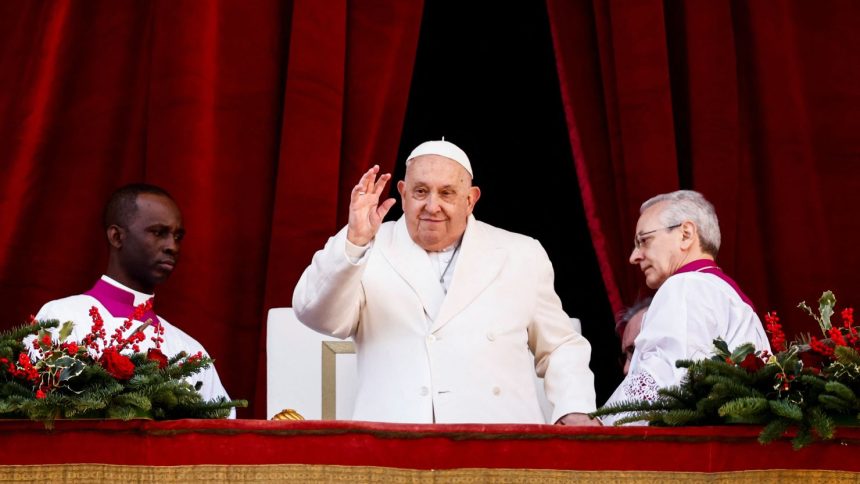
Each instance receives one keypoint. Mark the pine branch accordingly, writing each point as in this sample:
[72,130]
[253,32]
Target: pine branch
[709,406]
[682,416]
[14,388]
[774,430]
[803,438]
[744,410]
[627,406]
[786,409]
[842,391]
[834,403]
[847,355]
[15,335]
[822,423]
[726,387]
[677,394]
[713,367]
[218,408]
[813,381]
[123,412]
[654,418]
[135,400]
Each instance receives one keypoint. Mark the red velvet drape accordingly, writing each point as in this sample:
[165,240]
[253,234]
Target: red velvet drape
[256,116]
[755,104]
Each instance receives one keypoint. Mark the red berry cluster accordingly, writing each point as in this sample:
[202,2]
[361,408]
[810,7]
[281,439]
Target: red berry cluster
[777,336]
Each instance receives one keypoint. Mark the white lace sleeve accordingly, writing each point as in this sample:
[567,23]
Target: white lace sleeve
[641,386]
[638,386]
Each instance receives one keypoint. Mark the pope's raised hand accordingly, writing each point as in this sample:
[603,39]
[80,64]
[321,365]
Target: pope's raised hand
[365,210]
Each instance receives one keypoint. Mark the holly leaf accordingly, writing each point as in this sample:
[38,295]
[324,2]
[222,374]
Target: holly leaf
[66,330]
[826,303]
[722,348]
[742,351]
[71,367]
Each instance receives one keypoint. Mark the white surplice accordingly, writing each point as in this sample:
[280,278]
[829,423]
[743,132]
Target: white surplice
[77,309]
[688,312]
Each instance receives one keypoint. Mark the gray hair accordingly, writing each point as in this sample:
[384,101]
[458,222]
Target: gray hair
[684,205]
[625,315]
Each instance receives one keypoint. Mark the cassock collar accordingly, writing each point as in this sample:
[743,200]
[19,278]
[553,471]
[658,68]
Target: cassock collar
[120,300]
[710,267]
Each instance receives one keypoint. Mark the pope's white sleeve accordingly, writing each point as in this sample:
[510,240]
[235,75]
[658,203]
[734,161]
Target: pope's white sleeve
[561,354]
[329,296]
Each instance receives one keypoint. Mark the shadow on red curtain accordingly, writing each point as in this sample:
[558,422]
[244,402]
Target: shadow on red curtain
[255,116]
[756,105]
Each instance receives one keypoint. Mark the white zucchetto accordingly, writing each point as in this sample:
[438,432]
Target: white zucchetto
[442,148]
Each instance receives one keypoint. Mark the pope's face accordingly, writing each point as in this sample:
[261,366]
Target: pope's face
[658,252]
[438,198]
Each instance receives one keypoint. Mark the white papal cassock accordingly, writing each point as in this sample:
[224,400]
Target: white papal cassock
[427,356]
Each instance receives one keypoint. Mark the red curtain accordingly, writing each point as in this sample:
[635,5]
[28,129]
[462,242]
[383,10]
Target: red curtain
[256,116]
[755,104]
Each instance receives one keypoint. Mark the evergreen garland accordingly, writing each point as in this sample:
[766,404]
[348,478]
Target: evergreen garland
[69,382]
[808,387]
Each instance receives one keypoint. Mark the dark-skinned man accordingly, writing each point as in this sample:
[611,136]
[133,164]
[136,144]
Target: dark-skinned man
[144,232]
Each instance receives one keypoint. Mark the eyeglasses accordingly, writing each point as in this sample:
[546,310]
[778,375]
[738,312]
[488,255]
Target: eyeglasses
[642,239]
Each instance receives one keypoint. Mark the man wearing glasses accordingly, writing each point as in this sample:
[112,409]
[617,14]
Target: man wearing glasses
[676,242]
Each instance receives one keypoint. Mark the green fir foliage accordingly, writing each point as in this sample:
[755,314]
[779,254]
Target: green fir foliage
[780,393]
[773,430]
[786,409]
[744,410]
[822,423]
[86,390]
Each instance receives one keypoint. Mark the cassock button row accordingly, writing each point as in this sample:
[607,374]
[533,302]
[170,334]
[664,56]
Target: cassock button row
[497,390]
[425,391]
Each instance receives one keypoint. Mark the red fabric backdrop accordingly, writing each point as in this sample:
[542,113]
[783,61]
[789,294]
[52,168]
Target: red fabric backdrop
[755,104]
[258,116]
[255,116]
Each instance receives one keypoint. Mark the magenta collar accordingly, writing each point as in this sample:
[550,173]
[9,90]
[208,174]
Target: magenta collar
[710,267]
[119,303]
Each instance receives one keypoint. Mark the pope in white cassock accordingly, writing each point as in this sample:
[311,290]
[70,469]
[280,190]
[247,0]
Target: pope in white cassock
[451,317]
[677,239]
[144,231]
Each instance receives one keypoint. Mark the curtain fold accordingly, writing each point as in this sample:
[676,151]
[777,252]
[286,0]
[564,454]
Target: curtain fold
[254,116]
[751,104]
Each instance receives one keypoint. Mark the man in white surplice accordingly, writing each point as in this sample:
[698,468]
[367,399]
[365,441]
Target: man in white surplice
[144,231]
[444,309]
[677,239]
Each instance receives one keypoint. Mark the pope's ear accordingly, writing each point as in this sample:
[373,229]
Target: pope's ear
[474,195]
[401,189]
[115,236]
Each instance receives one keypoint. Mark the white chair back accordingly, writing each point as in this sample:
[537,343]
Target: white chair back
[294,373]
